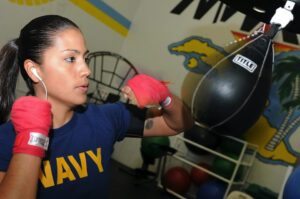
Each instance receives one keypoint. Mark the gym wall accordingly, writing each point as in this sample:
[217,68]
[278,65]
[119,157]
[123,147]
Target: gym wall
[154,35]
[158,44]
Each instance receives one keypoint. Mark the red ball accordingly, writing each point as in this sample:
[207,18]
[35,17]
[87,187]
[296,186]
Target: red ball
[198,176]
[178,180]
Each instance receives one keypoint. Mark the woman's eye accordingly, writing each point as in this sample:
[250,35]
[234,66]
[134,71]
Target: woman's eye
[70,59]
[86,59]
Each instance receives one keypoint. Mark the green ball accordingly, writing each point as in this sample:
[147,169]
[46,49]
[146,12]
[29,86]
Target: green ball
[225,167]
[151,146]
[230,146]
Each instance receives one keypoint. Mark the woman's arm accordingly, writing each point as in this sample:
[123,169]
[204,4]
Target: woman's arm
[21,178]
[171,120]
[31,118]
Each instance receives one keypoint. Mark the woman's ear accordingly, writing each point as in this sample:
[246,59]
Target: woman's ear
[29,67]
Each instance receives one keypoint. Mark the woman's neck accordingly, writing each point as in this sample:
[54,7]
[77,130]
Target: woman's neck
[61,114]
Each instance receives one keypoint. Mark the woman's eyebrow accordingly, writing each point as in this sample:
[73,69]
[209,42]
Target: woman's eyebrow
[76,51]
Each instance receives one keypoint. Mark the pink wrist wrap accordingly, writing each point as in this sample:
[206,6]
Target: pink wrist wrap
[148,90]
[31,118]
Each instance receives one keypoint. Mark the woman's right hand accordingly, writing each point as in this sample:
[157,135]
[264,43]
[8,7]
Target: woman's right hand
[31,118]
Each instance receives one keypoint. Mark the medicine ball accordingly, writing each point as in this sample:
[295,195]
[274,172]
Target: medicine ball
[198,176]
[202,137]
[151,146]
[211,190]
[225,168]
[177,179]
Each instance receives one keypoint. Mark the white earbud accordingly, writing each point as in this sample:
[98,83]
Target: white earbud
[33,70]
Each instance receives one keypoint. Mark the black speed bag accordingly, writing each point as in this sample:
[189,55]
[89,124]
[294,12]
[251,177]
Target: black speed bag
[232,94]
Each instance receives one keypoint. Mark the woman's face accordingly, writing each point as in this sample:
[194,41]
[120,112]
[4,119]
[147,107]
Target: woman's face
[64,69]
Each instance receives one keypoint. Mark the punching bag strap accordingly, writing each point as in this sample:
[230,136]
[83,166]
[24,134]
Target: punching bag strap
[274,28]
[283,16]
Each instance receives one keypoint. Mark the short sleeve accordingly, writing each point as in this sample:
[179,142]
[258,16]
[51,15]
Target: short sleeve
[7,137]
[120,119]
[113,116]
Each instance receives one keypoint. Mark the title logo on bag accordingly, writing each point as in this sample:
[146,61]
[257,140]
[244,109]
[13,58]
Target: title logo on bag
[244,62]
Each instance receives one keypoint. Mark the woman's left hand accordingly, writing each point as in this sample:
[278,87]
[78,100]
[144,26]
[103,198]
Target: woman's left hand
[128,94]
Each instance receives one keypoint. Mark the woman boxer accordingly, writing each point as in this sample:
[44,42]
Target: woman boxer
[49,151]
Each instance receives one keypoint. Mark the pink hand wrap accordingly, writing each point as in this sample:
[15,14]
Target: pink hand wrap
[148,90]
[31,117]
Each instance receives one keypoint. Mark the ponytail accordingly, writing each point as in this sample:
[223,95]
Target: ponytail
[9,68]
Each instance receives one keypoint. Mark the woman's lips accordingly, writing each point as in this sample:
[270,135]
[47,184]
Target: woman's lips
[83,88]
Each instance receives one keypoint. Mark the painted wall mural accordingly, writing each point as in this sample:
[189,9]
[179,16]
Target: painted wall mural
[281,118]
[31,2]
[106,14]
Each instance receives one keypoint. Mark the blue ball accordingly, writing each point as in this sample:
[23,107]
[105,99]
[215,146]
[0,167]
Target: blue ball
[291,188]
[211,190]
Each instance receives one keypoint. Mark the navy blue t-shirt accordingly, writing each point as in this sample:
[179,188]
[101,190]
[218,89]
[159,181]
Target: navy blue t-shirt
[77,161]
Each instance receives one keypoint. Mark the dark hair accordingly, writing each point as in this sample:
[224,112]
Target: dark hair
[34,39]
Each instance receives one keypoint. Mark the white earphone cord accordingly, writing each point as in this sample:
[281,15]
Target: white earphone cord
[45,89]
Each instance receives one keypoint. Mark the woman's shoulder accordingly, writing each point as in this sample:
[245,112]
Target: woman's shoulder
[6,127]
[110,107]
[7,131]
[114,111]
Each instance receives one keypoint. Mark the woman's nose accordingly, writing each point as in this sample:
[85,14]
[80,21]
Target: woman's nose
[86,70]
